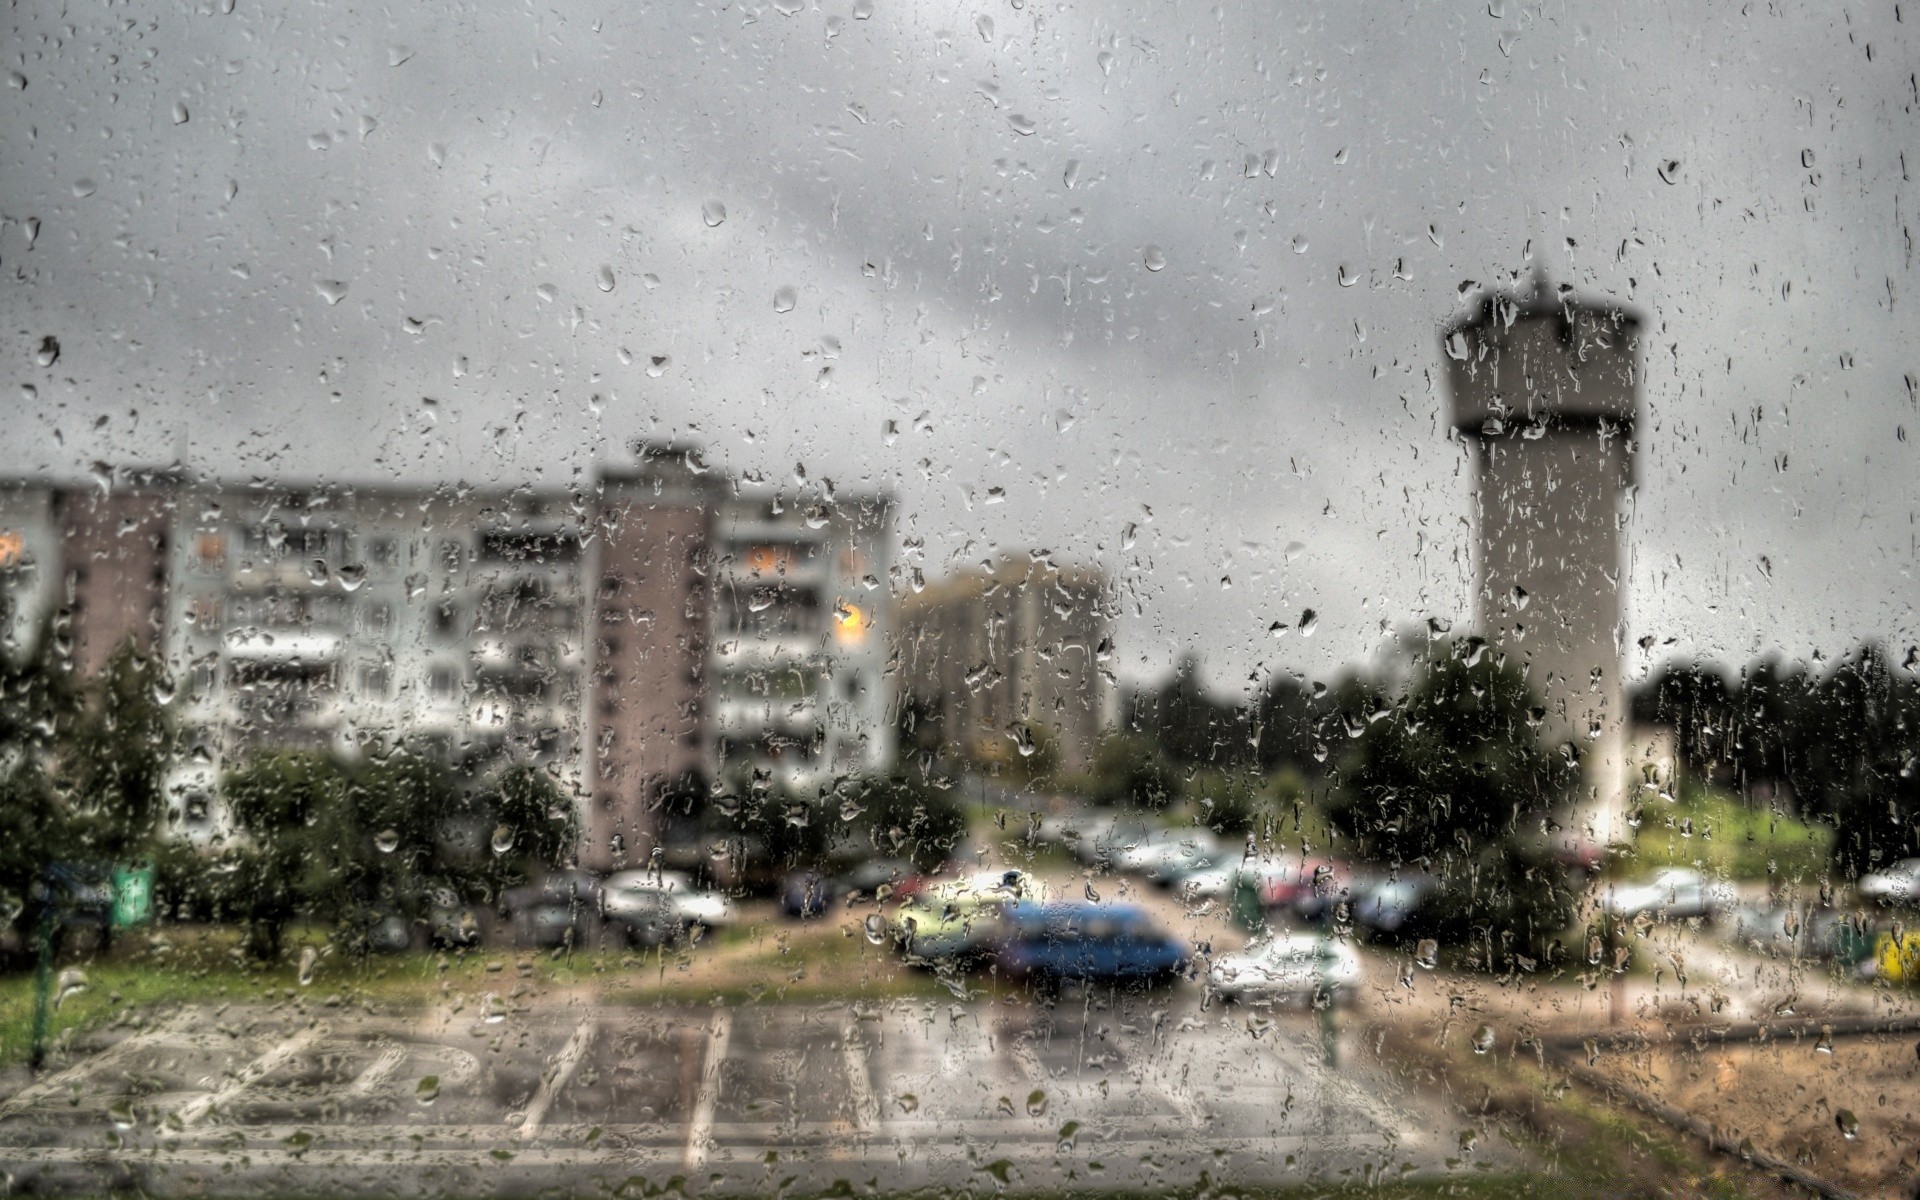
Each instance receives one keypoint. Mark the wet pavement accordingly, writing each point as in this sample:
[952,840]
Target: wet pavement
[1099,1089]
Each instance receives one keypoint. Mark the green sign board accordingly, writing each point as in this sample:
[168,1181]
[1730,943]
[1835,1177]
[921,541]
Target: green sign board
[132,896]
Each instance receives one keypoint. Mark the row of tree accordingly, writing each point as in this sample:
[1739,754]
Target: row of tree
[351,844]
[1840,741]
[1835,742]
[84,766]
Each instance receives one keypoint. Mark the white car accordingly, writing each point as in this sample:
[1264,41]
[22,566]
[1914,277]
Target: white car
[1168,854]
[1094,837]
[1218,881]
[1675,893]
[637,896]
[1287,965]
[1898,884]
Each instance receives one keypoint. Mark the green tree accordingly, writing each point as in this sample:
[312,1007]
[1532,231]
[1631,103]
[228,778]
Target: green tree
[530,826]
[913,816]
[1855,759]
[114,763]
[1128,770]
[286,806]
[322,840]
[1287,723]
[1453,779]
[1195,729]
[36,707]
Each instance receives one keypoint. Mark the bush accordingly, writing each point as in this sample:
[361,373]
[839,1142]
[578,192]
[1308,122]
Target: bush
[1725,835]
[907,816]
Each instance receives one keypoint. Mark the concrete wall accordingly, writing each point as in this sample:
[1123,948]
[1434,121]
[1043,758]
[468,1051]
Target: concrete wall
[114,547]
[649,644]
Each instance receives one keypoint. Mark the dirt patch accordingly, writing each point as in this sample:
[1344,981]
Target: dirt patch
[1846,1108]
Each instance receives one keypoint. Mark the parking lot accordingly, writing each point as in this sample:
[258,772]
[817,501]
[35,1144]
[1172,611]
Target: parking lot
[1126,1091]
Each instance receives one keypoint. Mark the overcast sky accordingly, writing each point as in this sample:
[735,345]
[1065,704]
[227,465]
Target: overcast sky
[1047,272]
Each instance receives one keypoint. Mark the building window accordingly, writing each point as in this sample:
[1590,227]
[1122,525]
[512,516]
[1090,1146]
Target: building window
[443,683]
[203,612]
[210,551]
[376,680]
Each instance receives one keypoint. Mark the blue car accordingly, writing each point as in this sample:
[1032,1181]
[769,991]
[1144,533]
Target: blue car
[1106,943]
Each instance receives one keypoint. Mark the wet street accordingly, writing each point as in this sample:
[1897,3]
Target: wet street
[1115,1091]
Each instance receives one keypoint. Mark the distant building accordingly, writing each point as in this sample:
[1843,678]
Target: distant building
[801,620]
[1546,392]
[32,566]
[993,656]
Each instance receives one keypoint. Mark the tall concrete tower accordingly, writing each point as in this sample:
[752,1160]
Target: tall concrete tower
[1546,390]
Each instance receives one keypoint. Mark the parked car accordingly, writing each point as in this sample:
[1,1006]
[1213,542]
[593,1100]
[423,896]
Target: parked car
[453,923]
[1318,888]
[805,894]
[1167,854]
[1109,943]
[1095,838]
[956,927]
[960,919]
[560,909]
[1220,880]
[1288,966]
[1898,884]
[1675,893]
[661,905]
[877,879]
[1389,905]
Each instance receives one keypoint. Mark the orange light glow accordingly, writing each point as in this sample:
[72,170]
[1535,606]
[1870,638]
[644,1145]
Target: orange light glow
[849,622]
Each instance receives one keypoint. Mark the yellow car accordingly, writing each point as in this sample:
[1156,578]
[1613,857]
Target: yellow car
[957,918]
[1897,961]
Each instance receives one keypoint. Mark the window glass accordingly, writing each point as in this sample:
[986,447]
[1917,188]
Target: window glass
[900,598]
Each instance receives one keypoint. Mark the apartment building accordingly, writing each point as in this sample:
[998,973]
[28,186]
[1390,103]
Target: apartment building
[640,639]
[95,553]
[345,619]
[1011,653]
[801,622]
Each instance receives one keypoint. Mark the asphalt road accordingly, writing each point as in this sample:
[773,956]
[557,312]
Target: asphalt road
[1125,1091]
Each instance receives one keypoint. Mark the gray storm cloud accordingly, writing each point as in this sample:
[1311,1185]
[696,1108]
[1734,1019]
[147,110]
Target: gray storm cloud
[1049,272]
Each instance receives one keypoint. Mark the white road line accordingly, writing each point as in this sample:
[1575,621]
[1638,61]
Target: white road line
[700,1127]
[378,1071]
[33,1094]
[191,1112]
[866,1109]
[562,1069]
[1025,1057]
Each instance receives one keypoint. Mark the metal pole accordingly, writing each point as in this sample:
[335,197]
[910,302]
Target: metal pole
[42,982]
[1329,1030]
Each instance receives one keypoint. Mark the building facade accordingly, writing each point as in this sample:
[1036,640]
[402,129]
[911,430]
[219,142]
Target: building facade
[996,657]
[801,621]
[344,619]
